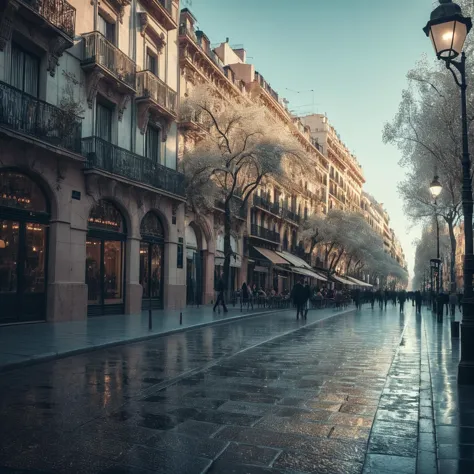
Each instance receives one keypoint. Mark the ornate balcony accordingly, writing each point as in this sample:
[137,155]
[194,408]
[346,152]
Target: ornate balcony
[165,11]
[58,15]
[111,159]
[156,97]
[193,122]
[105,61]
[265,204]
[290,215]
[235,206]
[28,115]
[262,233]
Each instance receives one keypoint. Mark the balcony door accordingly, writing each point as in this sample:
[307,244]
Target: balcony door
[153,144]
[103,124]
[105,260]
[107,28]
[24,218]
[24,71]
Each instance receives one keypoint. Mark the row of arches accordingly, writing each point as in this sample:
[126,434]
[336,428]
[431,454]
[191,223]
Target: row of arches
[25,215]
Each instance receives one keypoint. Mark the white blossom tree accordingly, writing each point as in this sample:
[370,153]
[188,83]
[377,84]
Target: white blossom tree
[243,146]
[427,130]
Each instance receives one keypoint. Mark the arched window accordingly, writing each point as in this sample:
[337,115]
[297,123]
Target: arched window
[24,218]
[105,216]
[151,226]
[20,192]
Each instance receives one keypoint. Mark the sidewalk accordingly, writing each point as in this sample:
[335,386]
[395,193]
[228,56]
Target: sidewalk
[29,343]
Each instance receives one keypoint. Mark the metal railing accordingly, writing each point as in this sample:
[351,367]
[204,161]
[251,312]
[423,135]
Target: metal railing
[235,206]
[57,12]
[265,85]
[27,114]
[184,30]
[263,203]
[149,85]
[105,156]
[291,215]
[99,50]
[268,234]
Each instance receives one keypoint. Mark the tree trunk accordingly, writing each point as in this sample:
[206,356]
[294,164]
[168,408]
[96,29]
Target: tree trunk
[452,265]
[227,248]
[348,265]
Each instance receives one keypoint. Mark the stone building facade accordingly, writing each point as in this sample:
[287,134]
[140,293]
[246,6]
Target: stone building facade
[91,204]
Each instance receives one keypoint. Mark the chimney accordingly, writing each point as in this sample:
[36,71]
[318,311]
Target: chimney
[227,40]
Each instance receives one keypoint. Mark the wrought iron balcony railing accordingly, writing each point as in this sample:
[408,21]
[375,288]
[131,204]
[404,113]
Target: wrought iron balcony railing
[59,13]
[184,30]
[291,215]
[105,156]
[98,50]
[267,234]
[27,114]
[151,86]
[263,203]
[235,206]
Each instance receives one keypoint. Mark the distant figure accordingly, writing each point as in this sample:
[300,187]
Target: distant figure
[308,298]
[402,296]
[372,299]
[453,301]
[220,295]
[386,297]
[299,298]
[418,300]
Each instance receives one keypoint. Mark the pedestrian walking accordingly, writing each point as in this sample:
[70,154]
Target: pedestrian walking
[298,295]
[386,297]
[453,300]
[220,295]
[402,297]
[372,299]
[418,300]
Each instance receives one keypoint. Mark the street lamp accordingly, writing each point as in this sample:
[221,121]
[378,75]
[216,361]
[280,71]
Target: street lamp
[448,29]
[435,190]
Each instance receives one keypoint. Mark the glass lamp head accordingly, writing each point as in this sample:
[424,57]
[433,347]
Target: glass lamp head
[448,29]
[435,187]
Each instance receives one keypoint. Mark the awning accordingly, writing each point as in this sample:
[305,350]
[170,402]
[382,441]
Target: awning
[309,273]
[359,282]
[343,280]
[272,256]
[295,261]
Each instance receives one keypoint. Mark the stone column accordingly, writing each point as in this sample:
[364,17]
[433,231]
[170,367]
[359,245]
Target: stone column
[133,289]
[66,290]
[208,276]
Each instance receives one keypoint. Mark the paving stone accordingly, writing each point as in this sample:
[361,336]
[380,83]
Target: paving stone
[392,445]
[248,454]
[451,466]
[220,467]
[314,463]
[399,429]
[379,463]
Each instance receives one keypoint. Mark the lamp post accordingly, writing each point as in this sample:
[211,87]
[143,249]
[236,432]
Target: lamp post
[448,29]
[435,190]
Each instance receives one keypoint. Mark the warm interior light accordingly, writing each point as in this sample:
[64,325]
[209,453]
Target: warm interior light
[2,244]
[448,36]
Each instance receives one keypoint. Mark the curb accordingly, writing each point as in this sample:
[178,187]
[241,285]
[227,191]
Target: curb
[49,357]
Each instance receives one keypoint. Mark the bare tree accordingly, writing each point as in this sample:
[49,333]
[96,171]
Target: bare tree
[242,147]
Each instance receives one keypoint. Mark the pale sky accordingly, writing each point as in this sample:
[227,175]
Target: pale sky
[355,55]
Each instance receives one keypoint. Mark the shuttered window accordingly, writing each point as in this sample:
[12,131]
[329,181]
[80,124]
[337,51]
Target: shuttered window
[103,127]
[152,63]
[24,71]
[152,150]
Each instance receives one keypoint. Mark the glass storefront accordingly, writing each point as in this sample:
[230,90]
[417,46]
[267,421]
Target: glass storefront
[105,259]
[24,217]
[152,261]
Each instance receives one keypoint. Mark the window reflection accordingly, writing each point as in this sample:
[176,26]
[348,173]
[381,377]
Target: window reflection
[93,270]
[33,278]
[9,236]
[112,271]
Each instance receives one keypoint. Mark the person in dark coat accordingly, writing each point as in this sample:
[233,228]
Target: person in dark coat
[308,297]
[299,298]
[220,295]
[418,300]
[402,297]
[372,299]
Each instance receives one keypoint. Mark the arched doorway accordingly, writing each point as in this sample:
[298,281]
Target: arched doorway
[152,250]
[105,260]
[24,218]
[194,267]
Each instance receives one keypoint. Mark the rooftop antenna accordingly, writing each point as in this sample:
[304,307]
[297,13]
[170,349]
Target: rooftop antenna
[303,92]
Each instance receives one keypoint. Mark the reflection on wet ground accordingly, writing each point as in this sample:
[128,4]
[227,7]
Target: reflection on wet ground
[346,395]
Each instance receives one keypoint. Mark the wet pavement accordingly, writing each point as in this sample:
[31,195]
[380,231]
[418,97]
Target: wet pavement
[361,392]
[24,344]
